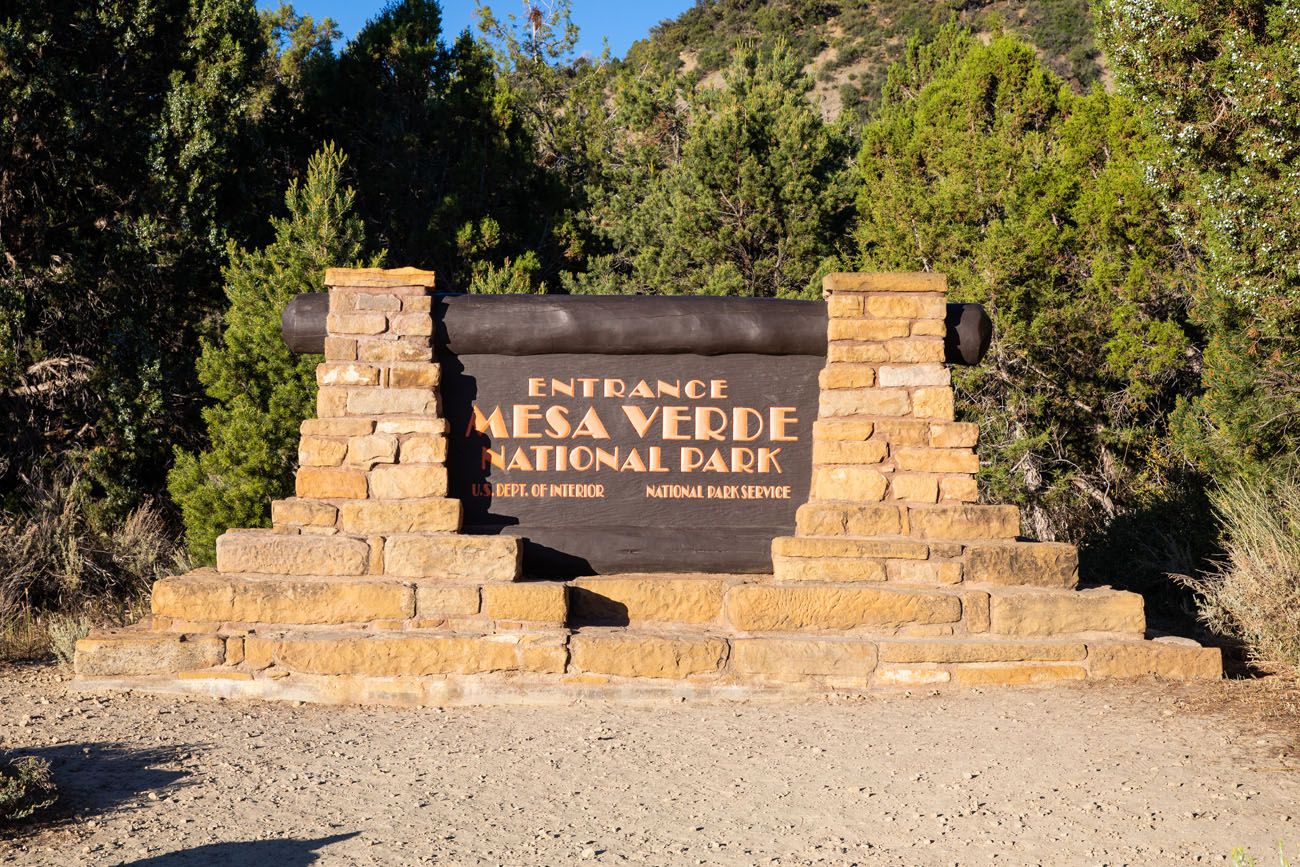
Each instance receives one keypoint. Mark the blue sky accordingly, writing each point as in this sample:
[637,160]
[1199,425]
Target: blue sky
[620,21]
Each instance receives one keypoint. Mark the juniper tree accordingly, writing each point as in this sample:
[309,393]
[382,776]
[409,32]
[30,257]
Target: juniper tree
[742,192]
[1217,81]
[1034,201]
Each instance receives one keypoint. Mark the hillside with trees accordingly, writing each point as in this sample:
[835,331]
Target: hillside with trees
[847,46]
[173,172]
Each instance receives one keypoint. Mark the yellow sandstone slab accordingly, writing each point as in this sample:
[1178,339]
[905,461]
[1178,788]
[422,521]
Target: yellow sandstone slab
[533,601]
[1177,661]
[792,659]
[425,514]
[965,522]
[378,278]
[275,554]
[395,654]
[775,608]
[220,598]
[1026,564]
[972,650]
[638,655]
[453,557]
[131,653]
[830,546]
[620,600]
[1040,612]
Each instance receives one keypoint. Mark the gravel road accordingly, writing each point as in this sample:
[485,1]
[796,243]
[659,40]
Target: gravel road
[1141,774]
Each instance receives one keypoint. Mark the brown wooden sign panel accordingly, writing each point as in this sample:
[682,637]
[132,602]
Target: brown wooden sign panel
[632,462]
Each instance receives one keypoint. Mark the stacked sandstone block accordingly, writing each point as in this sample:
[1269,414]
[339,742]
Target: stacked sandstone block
[364,590]
[372,478]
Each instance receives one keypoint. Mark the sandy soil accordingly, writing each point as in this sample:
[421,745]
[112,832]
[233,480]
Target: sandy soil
[1146,774]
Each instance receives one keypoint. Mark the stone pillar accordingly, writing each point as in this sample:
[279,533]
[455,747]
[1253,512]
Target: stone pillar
[372,464]
[893,473]
[885,430]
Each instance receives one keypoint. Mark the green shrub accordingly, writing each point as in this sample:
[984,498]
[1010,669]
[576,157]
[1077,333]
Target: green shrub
[1255,593]
[1033,200]
[26,787]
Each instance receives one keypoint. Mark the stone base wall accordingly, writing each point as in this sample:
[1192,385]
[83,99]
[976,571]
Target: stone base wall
[365,590]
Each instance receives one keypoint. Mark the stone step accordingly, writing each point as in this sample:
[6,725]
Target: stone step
[812,607]
[1001,562]
[1045,612]
[137,652]
[447,667]
[411,653]
[860,662]
[945,521]
[268,552]
[854,516]
[211,598]
[446,556]
[638,599]
[836,603]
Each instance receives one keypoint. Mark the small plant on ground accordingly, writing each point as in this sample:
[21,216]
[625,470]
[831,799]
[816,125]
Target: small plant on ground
[26,787]
[64,631]
[1240,858]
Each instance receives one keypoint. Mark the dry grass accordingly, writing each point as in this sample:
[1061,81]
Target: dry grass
[1255,593]
[65,566]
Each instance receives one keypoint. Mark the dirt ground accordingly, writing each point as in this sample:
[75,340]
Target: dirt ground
[1141,774]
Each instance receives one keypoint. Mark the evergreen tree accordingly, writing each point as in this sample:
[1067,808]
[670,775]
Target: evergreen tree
[449,177]
[744,194]
[261,391]
[1217,81]
[1033,200]
[137,137]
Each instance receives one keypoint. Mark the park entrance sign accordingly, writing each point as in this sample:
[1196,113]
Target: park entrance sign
[510,499]
[607,450]
[632,433]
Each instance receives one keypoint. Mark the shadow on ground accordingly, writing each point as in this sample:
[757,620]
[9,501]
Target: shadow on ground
[96,778]
[248,853]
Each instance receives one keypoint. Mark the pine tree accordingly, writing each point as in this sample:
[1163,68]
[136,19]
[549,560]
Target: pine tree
[261,391]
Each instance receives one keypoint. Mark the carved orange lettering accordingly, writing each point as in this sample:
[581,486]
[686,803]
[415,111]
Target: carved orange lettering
[494,425]
[767,461]
[674,418]
[704,430]
[524,415]
[740,424]
[557,421]
[591,426]
[742,460]
[640,421]
[782,418]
